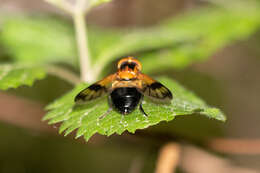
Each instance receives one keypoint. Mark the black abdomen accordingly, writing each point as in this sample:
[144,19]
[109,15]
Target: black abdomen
[125,99]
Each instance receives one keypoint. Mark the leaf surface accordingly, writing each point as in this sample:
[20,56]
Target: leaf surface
[14,75]
[86,118]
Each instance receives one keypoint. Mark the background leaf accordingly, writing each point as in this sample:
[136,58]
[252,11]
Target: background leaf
[38,40]
[176,43]
[211,29]
[86,118]
[12,76]
[185,39]
[97,2]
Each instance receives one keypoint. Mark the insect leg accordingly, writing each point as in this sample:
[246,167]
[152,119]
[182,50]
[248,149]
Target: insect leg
[106,113]
[142,110]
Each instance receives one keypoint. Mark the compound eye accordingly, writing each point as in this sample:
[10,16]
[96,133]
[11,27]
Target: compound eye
[138,65]
[130,65]
[129,62]
[122,63]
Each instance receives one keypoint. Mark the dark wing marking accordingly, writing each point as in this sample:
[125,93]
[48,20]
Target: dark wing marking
[155,90]
[92,92]
[95,90]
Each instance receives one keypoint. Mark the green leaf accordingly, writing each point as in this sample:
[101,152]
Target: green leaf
[38,39]
[12,76]
[97,2]
[220,28]
[86,118]
[188,38]
[175,43]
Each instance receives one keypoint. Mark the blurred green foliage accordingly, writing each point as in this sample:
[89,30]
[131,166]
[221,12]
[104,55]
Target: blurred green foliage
[207,30]
[12,76]
[175,43]
[38,40]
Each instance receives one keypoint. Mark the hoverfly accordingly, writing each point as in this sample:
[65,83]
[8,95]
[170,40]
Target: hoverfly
[126,88]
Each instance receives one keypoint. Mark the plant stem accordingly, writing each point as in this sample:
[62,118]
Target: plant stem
[81,35]
[63,5]
[169,158]
[63,74]
[78,13]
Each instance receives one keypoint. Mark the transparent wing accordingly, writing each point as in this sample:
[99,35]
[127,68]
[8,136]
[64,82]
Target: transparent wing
[95,90]
[154,89]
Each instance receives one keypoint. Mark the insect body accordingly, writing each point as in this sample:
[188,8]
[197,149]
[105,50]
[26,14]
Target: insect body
[126,88]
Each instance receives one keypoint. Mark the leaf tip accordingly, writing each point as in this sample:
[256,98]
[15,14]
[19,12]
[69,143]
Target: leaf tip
[214,113]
